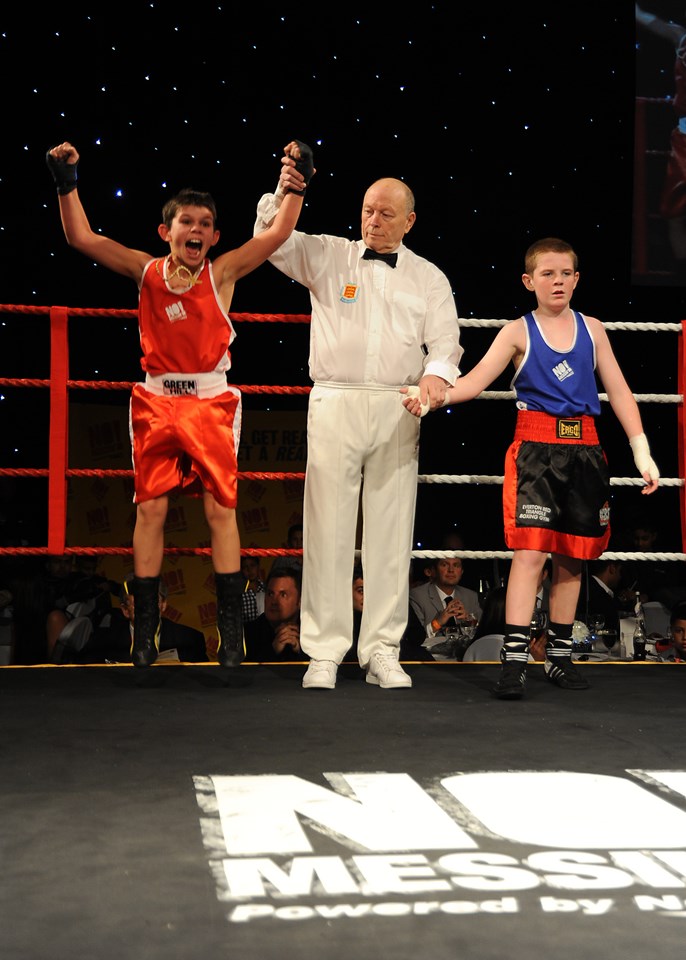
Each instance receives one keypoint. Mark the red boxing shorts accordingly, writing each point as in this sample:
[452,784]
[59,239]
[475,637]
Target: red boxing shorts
[556,490]
[185,442]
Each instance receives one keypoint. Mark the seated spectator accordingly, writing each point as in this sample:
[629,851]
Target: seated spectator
[660,580]
[275,634]
[599,593]
[441,604]
[81,604]
[6,627]
[490,632]
[455,538]
[358,601]
[492,619]
[411,642]
[112,643]
[543,592]
[253,595]
[675,648]
[294,541]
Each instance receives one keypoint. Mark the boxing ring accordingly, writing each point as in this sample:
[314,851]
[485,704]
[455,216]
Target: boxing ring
[166,812]
[61,388]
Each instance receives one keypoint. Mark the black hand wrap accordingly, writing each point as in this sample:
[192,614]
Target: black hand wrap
[64,174]
[304,165]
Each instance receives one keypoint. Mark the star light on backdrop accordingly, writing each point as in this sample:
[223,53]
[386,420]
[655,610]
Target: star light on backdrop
[509,123]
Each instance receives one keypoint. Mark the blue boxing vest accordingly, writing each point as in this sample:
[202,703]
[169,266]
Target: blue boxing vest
[561,383]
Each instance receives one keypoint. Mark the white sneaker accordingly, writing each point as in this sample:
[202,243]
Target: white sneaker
[321,674]
[383,669]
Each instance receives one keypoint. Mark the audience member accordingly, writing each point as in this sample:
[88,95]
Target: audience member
[7,631]
[110,642]
[27,580]
[660,580]
[490,631]
[275,634]
[441,602]
[358,602]
[674,648]
[455,539]
[492,619]
[82,604]
[188,642]
[543,592]
[599,593]
[411,643]
[489,635]
[294,541]
[253,594]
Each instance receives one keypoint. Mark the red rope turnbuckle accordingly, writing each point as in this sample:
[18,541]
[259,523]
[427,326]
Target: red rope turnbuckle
[59,385]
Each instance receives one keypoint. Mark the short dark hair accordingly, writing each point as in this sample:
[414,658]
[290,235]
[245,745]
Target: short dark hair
[295,573]
[678,612]
[600,566]
[188,198]
[548,245]
[434,561]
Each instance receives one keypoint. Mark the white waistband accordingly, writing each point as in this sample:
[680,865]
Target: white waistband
[356,386]
[203,385]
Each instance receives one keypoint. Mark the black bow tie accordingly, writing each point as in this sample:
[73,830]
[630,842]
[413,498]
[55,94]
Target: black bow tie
[390,258]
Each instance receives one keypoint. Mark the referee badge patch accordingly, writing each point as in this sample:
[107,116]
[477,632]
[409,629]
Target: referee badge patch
[569,430]
[349,293]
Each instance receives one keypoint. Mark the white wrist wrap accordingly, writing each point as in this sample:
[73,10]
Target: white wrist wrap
[414,392]
[644,462]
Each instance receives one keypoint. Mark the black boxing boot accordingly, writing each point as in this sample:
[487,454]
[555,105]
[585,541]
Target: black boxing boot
[559,668]
[230,587]
[514,657]
[147,621]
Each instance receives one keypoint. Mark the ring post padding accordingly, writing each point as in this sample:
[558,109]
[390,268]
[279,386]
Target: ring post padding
[681,426]
[59,429]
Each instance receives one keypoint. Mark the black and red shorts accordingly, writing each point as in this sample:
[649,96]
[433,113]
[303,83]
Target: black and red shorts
[556,491]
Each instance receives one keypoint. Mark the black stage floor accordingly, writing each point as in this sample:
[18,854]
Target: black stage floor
[185,813]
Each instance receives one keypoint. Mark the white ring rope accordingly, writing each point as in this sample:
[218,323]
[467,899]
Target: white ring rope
[652,327]
[639,397]
[476,478]
[508,554]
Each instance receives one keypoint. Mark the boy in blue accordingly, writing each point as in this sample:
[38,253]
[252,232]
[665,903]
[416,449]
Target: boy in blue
[556,490]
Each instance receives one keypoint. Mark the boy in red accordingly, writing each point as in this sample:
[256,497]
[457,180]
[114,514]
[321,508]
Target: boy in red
[185,418]
[556,489]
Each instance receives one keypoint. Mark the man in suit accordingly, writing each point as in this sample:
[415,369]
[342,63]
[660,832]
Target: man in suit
[275,634]
[599,593]
[111,643]
[440,602]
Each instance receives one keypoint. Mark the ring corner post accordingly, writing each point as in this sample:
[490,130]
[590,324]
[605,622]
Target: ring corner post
[59,431]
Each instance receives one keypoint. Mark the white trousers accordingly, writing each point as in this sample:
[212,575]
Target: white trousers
[357,436]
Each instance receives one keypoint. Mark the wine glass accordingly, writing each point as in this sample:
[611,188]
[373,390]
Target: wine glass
[609,638]
[596,622]
[484,590]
